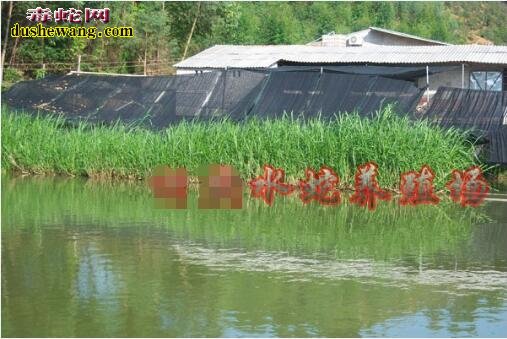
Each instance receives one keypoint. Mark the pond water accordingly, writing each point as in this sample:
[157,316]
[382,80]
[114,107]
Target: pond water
[82,258]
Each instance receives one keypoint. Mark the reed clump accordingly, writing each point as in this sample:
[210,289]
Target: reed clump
[47,145]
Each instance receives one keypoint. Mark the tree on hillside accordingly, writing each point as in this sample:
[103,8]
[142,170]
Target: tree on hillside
[164,30]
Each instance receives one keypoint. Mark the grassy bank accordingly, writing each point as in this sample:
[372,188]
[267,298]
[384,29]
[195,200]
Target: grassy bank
[45,145]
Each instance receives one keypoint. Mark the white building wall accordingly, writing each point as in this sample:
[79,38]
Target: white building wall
[369,38]
[453,78]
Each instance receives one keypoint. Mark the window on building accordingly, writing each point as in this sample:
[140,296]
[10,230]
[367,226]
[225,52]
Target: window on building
[490,81]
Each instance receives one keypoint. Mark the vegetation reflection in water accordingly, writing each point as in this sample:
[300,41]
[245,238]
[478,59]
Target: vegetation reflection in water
[348,231]
[96,259]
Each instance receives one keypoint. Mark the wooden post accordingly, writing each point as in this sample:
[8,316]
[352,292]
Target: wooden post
[224,73]
[428,85]
[462,75]
[79,63]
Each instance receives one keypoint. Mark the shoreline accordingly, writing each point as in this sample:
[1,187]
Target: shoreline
[46,146]
[497,185]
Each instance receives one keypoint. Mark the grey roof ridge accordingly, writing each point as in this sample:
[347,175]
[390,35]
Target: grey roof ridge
[406,35]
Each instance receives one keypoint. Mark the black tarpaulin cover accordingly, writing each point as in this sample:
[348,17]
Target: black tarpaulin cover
[155,101]
[311,94]
[483,112]
[159,101]
[498,146]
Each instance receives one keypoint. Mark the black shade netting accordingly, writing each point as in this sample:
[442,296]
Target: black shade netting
[498,146]
[362,94]
[159,101]
[468,108]
[484,113]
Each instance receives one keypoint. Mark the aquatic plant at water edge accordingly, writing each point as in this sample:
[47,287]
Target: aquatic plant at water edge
[42,144]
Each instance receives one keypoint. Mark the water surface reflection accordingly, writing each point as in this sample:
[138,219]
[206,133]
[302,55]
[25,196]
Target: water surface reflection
[88,259]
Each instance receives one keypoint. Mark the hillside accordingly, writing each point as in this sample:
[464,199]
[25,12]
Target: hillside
[166,32]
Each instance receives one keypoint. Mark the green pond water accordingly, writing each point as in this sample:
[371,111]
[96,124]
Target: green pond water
[82,258]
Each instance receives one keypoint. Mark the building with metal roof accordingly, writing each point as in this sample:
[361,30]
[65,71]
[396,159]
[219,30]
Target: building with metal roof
[468,66]
[255,56]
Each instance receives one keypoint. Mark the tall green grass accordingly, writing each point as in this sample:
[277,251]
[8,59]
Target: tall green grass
[47,145]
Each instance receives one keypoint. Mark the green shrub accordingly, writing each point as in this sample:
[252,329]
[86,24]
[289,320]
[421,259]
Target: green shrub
[12,75]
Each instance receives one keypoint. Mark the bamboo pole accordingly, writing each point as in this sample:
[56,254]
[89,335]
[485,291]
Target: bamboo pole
[145,51]
[105,73]
[6,37]
[14,50]
[191,31]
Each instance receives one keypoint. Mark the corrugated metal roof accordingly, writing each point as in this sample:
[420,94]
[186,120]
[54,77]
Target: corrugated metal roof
[221,56]
[409,36]
[252,56]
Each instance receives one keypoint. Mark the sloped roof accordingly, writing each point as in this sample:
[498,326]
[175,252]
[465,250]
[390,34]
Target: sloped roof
[409,36]
[343,37]
[263,56]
